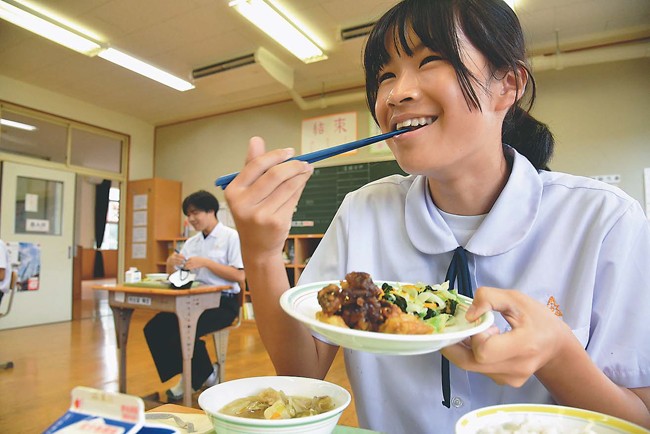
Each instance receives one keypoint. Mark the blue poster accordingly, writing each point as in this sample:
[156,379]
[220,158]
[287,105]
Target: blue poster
[26,258]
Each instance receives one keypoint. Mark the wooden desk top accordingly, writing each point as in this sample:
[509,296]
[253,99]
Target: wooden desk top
[162,291]
[174,408]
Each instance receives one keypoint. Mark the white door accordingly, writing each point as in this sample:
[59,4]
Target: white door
[37,223]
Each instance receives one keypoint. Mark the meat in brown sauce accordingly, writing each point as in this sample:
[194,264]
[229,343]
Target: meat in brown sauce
[358,301]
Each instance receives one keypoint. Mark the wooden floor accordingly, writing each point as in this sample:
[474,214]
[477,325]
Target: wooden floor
[49,360]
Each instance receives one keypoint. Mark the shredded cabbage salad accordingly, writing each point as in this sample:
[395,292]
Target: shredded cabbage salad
[433,304]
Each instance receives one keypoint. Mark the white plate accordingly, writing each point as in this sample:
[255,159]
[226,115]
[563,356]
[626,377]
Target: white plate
[301,303]
[565,420]
[157,276]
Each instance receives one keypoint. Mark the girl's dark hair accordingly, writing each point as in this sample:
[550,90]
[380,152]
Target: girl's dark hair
[201,200]
[493,28]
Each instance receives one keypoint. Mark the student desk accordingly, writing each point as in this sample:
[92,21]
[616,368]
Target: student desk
[187,304]
[196,414]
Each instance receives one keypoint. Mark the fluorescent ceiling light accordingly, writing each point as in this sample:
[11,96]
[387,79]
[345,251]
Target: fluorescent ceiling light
[274,24]
[135,65]
[19,125]
[33,22]
[48,27]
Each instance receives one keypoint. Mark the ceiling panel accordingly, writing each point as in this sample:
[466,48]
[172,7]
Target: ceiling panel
[179,36]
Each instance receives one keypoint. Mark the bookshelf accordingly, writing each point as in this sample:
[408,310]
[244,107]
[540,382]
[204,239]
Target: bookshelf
[297,252]
[153,218]
[165,247]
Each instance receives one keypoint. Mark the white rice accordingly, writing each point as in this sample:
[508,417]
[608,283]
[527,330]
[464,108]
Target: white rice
[532,426]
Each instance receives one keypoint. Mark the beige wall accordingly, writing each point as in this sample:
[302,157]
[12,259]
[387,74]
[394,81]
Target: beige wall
[141,133]
[85,214]
[198,152]
[599,115]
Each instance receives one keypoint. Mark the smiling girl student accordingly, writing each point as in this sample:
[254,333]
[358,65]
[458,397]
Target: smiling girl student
[562,260]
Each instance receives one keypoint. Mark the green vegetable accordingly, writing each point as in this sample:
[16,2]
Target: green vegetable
[435,304]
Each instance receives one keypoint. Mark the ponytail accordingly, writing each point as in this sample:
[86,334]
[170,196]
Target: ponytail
[528,136]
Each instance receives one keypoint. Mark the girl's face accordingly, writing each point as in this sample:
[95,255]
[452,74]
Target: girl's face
[423,90]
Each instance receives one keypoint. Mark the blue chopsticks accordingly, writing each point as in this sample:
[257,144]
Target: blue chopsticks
[322,154]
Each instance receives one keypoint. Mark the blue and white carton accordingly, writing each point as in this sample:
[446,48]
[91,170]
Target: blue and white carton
[95,411]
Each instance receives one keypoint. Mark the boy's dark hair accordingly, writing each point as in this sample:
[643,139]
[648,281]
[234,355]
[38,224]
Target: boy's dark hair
[201,200]
[493,28]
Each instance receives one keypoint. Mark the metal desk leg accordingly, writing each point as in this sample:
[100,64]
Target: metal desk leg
[188,312]
[122,319]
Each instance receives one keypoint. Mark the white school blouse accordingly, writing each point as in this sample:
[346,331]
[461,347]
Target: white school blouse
[579,246]
[221,246]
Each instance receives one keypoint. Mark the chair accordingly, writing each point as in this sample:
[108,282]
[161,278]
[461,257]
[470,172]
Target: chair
[221,336]
[9,296]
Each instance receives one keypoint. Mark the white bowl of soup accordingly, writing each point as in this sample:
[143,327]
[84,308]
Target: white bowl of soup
[274,404]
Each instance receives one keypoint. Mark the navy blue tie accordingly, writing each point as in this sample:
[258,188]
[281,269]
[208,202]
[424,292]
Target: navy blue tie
[458,272]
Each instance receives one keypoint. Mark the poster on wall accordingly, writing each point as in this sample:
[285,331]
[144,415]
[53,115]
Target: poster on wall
[26,260]
[325,131]
[139,201]
[139,251]
[373,130]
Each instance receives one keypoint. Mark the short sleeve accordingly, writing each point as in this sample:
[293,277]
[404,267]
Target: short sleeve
[234,251]
[619,341]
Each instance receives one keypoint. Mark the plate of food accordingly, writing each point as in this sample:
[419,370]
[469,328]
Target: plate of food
[383,317]
[542,418]
[156,277]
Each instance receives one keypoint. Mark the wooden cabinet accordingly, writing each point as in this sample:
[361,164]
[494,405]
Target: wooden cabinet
[297,252]
[153,223]
[166,247]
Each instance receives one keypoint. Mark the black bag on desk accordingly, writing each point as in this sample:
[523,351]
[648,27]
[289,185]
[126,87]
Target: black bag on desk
[181,279]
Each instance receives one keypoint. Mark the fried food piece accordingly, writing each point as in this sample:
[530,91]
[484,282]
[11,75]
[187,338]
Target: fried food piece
[405,324]
[336,320]
[329,299]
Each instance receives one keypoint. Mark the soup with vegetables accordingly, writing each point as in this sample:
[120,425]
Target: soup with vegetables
[275,404]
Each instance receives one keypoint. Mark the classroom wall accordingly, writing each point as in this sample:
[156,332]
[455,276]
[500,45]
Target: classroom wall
[200,151]
[599,114]
[140,132]
[84,231]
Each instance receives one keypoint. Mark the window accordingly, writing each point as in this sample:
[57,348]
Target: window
[112,220]
[95,150]
[38,206]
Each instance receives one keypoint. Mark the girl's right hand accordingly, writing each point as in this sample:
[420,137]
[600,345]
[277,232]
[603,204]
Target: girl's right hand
[263,197]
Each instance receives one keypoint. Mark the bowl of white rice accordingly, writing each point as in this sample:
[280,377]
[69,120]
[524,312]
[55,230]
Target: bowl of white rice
[542,419]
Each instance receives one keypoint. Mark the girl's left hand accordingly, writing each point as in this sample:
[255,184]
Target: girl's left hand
[511,358]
